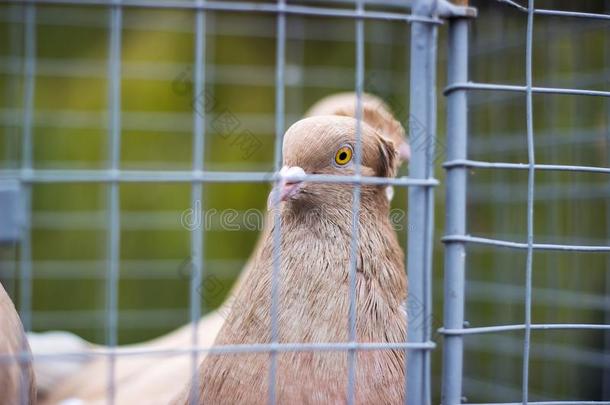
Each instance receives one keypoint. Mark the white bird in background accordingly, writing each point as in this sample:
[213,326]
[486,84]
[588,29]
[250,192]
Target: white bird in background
[17,382]
[159,379]
[313,299]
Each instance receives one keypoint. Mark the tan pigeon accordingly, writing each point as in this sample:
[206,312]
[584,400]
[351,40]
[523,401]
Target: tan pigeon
[316,235]
[17,384]
[135,375]
[375,112]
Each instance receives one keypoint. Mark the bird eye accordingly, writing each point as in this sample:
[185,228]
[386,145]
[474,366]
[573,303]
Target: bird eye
[343,155]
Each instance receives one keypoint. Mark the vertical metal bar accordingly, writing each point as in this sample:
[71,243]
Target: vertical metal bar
[606,371]
[12,90]
[114,224]
[429,234]
[25,252]
[530,201]
[455,252]
[356,194]
[29,85]
[197,204]
[420,216]
[280,67]
[280,60]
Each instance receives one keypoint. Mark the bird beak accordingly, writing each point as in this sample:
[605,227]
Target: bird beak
[291,182]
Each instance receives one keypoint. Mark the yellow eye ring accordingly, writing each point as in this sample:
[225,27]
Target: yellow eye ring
[343,155]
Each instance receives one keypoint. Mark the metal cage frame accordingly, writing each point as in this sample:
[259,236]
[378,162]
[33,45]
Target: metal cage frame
[424,21]
[456,236]
[425,17]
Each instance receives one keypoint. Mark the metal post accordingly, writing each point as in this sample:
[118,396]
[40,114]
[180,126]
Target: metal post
[29,86]
[422,134]
[530,201]
[356,195]
[280,104]
[197,204]
[606,370]
[114,207]
[25,251]
[455,251]
[12,89]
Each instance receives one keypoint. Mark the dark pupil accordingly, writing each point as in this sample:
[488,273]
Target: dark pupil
[342,156]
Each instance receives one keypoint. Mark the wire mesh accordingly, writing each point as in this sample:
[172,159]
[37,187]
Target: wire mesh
[523,297]
[457,331]
[115,176]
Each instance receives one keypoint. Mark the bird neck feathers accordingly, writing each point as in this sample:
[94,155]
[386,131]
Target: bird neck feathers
[313,307]
[315,258]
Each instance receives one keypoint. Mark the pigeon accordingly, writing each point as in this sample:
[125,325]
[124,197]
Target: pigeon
[149,379]
[17,383]
[135,375]
[316,236]
[375,112]
[50,372]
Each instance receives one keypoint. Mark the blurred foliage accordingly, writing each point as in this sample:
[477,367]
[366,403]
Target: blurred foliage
[158,105]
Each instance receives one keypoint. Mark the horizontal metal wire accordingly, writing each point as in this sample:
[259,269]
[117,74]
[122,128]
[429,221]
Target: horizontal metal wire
[558,13]
[82,17]
[138,176]
[234,74]
[545,403]
[484,100]
[509,328]
[517,245]
[240,7]
[571,80]
[240,74]
[163,269]
[400,4]
[523,166]
[403,4]
[523,89]
[514,4]
[232,349]
[246,27]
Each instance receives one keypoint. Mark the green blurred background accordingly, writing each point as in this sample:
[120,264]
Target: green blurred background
[69,221]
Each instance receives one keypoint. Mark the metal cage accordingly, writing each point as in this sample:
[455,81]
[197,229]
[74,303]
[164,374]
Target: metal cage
[424,18]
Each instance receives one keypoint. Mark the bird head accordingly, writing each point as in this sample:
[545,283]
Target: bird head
[327,145]
[375,112]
